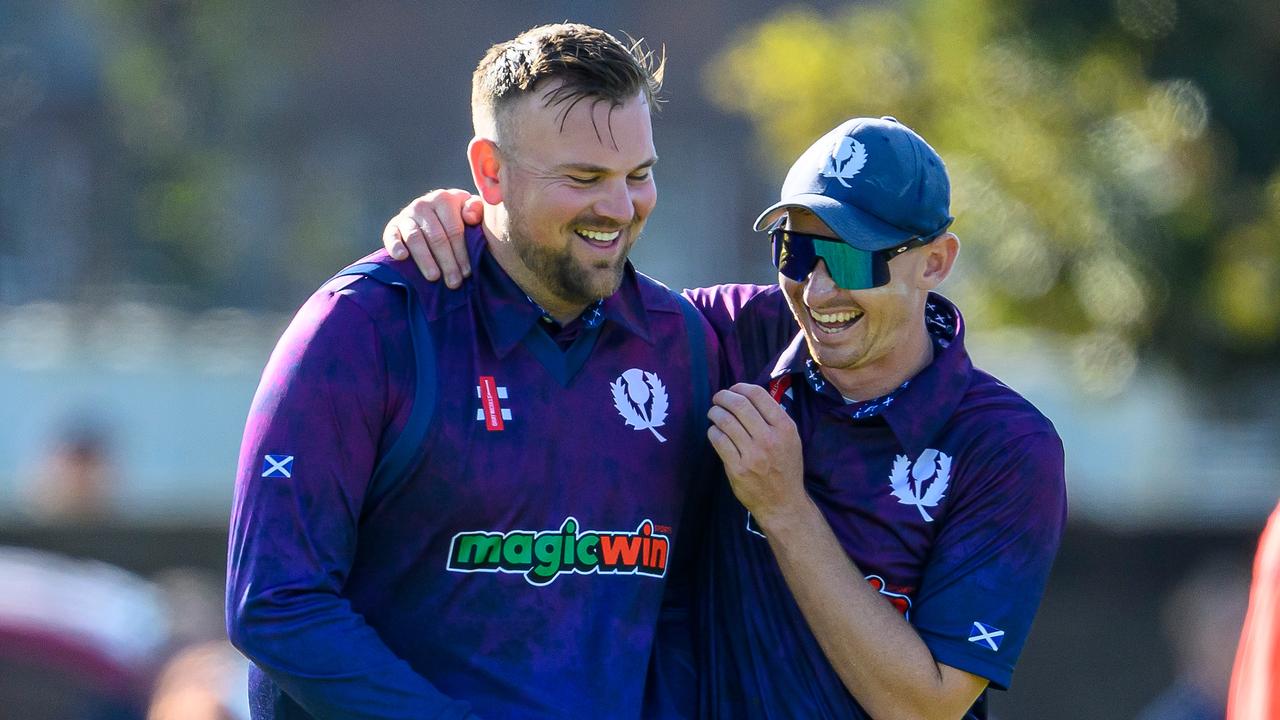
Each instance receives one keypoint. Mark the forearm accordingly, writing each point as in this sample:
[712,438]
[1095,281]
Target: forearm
[881,660]
[321,652]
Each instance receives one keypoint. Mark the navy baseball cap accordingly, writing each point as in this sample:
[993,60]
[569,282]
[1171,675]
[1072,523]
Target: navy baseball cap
[873,181]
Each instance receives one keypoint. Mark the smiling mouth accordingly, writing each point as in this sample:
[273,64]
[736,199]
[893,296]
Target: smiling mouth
[599,238]
[832,323]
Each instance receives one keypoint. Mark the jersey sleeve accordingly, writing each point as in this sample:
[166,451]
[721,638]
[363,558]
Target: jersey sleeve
[721,305]
[309,449]
[752,322]
[991,560]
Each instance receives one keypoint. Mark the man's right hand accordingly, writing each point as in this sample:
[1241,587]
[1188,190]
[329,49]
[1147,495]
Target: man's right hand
[430,229]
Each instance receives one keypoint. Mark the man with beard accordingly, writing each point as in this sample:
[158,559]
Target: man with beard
[891,512]
[457,501]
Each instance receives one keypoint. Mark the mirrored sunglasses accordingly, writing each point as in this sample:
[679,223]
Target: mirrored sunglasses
[795,254]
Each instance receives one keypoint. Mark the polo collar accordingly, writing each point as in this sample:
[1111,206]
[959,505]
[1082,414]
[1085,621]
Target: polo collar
[924,406]
[509,315]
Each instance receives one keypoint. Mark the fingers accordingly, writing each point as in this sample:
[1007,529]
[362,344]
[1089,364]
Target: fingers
[455,243]
[440,248]
[392,241]
[724,447]
[763,402]
[414,239]
[472,210]
[742,409]
[729,426]
[439,216]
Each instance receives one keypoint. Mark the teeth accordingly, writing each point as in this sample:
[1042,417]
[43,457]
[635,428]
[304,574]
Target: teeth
[834,318]
[600,236]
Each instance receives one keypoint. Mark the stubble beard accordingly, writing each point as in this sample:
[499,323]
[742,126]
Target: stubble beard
[562,274]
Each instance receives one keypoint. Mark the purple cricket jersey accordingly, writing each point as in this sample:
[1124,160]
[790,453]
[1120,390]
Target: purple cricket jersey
[948,494]
[520,569]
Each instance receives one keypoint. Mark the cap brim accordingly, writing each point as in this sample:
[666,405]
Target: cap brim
[860,229]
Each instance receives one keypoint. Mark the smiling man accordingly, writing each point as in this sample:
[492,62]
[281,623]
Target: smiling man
[470,501]
[891,512]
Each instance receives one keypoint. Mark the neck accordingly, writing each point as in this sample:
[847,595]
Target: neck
[504,252]
[885,374]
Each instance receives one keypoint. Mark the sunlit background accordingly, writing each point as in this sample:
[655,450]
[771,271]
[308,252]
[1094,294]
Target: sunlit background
[176,177]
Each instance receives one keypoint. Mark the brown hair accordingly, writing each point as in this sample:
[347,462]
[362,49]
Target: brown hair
[591,63]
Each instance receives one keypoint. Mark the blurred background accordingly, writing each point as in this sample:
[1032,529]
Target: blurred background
[176,177]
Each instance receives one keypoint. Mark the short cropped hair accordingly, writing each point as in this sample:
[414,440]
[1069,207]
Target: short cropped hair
[591,63]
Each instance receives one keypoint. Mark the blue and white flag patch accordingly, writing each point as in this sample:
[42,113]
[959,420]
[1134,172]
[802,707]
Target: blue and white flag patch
[986,635]
[277,466]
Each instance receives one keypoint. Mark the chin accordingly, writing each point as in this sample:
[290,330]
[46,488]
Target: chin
[606,281]
[835,358]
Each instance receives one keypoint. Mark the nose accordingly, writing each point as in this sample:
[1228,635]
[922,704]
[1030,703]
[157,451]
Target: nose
[819,285]
[615,202]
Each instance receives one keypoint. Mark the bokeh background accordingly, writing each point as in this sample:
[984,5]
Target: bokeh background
[177,176]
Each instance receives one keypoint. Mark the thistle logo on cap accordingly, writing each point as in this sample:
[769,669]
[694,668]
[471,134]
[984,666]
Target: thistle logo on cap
[846,159]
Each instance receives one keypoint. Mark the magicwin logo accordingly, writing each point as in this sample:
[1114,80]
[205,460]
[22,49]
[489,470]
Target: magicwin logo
[542,556]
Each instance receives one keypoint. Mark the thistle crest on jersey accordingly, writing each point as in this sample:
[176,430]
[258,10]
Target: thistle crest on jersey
[846,159]
[922,483]
[641,400]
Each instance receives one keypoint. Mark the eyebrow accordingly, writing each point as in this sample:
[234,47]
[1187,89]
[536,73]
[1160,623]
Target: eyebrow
[602,170]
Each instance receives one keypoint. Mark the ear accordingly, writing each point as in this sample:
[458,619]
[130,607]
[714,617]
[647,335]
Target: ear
[482,155]
[939,259]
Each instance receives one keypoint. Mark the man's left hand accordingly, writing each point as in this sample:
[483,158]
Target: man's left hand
[760,448]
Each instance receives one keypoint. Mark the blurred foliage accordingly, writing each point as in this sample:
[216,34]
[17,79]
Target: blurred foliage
[199,165]
[195,94]
[1092,198]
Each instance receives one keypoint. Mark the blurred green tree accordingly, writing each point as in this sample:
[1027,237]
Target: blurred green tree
[1087,193]
[200,103]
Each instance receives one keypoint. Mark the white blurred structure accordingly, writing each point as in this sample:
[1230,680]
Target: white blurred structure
[173,390]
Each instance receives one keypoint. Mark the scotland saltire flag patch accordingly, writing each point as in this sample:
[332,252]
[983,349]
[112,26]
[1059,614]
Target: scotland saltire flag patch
[986,635]
[277,466]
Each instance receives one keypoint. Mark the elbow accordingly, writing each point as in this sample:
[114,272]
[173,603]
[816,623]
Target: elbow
[249,625]
[240,629]
[920,704]
[272,627]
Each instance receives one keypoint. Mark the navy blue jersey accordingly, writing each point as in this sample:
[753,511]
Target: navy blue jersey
[947,494]
[519,570]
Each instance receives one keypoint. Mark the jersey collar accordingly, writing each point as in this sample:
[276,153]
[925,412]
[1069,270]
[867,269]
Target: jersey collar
[933,395]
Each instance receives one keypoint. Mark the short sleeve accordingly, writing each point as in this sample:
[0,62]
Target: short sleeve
[991,560]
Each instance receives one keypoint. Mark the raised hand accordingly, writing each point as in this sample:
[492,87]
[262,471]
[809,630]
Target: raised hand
[760,447]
